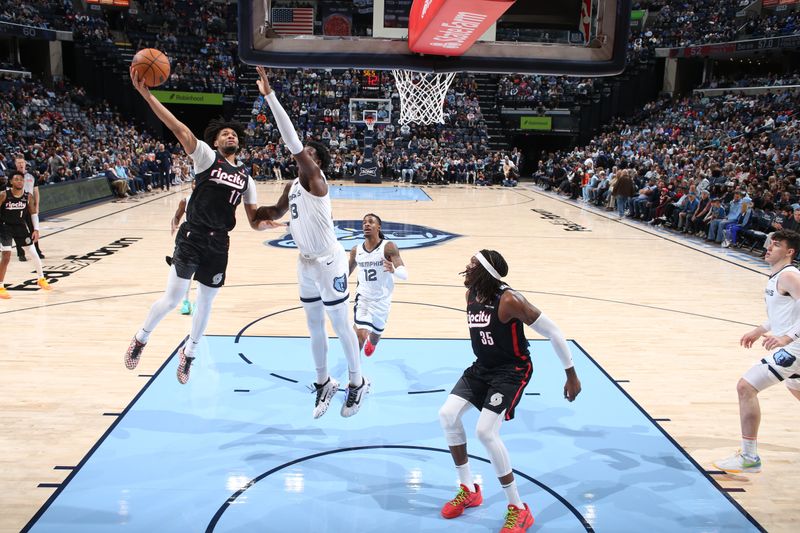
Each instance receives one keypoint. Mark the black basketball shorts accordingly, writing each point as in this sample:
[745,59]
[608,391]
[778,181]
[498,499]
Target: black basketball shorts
[202,255]
[496,389]
[14,234]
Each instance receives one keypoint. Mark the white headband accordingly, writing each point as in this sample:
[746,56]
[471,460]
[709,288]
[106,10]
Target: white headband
[489,268]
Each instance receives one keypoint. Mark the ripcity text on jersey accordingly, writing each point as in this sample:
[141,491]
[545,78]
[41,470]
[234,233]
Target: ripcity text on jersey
[219,188]
[13,209]
[495,343]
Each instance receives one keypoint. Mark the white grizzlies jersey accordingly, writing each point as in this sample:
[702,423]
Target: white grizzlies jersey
[311,223]
[783,311]
[374,283]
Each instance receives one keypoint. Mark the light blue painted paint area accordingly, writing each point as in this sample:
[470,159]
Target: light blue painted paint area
[361,192]
[203,457]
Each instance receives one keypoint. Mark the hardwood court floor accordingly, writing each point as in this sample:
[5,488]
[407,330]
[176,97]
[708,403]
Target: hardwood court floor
[662,315]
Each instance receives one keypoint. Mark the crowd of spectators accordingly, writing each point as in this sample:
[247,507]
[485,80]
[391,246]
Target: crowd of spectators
[670,164]
[64,136]
[693,22]
[768,80]
[318,103]
[194,37]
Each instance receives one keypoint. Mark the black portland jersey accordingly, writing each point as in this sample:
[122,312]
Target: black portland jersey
[495,343]
[217,192]
[13,209]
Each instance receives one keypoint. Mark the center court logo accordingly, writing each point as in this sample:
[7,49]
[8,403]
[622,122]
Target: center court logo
[405,236]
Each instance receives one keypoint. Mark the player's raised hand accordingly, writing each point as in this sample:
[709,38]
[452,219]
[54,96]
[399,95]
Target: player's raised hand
[138,83]
[388,266]
[263,82]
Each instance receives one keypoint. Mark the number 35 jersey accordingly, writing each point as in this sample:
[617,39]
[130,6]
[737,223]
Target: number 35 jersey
[311,222]
[374,283]
[495,343]
[219,188]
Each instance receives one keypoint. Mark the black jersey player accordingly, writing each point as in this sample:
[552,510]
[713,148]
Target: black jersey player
[496,380]
[201,245]
[15,206]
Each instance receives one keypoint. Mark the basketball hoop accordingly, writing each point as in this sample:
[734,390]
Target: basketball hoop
[370,122]
[422,95]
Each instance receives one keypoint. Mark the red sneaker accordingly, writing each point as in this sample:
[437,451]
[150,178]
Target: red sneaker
[463,499]
[517,520]
[134,353]
[369,348]
[184,367]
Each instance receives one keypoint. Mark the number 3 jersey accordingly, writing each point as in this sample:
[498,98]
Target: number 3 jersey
[374,283]
[495,343]
[219,188]
[311,222]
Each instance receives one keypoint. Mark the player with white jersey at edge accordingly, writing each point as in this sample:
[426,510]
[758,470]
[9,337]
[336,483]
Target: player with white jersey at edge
[781,332]
[322,263]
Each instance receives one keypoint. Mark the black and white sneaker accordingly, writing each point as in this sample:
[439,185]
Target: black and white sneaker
[325,394]
[355,395]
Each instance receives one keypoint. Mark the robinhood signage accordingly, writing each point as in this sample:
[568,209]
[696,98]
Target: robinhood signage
[536,123]
[178,97]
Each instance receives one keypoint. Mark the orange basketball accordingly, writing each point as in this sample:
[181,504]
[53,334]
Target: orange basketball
[152,66]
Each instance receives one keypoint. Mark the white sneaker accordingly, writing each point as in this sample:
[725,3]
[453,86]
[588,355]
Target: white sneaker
[325,394]
[355,395]
[739,464]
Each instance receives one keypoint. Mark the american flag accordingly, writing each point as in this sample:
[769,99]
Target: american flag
[293,20]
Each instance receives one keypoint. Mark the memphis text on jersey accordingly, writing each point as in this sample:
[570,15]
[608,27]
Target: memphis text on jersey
[370,264]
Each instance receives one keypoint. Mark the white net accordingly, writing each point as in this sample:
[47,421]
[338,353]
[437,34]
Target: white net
[422,95]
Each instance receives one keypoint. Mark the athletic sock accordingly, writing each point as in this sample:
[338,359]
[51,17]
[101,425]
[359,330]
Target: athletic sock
[143,336]
[190,346]
[465,476]
[513,495]
[749,447]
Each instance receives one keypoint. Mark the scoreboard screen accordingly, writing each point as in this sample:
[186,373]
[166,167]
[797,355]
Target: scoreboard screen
[372,79]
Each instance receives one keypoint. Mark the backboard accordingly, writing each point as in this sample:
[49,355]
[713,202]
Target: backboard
[530,37]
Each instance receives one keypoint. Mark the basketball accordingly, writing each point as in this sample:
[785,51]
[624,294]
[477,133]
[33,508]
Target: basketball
[152,66]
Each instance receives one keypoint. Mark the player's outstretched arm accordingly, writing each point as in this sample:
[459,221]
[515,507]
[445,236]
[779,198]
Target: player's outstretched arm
[259,225]
[308,171]
[514,305]
[274,212]
[181,130]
